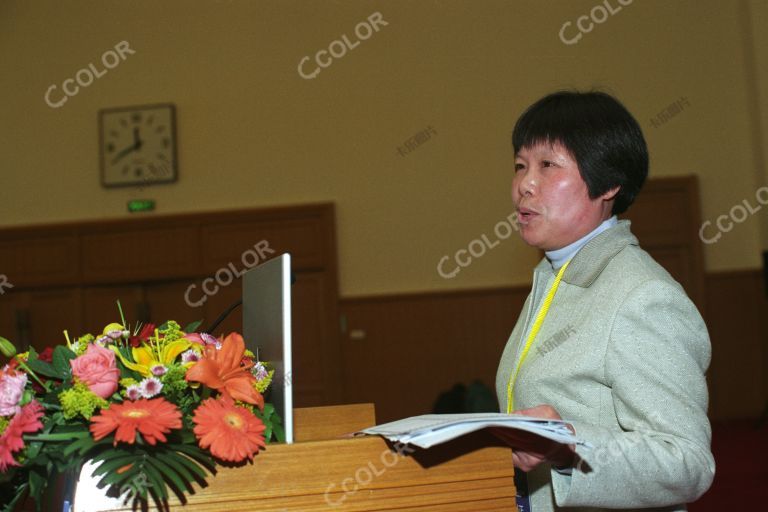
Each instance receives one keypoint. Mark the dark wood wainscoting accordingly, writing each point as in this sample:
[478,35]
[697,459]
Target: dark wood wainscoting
[402,351]
[68,276]
[737,312]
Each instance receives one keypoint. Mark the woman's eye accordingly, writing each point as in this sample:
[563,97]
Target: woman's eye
[547,163]
[519,167]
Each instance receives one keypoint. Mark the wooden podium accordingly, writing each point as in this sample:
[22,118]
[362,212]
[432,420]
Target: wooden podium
[323,472]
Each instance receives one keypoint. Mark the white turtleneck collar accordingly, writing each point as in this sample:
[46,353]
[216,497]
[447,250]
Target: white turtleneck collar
[558,257]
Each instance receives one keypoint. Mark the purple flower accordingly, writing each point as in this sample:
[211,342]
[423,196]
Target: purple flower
[133,392]
[259,371]
[190,356]
[150,387]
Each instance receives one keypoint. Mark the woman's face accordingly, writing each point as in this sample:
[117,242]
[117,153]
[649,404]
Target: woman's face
[552,201]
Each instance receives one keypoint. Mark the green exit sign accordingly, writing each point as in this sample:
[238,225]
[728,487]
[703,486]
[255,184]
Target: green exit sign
[141,205]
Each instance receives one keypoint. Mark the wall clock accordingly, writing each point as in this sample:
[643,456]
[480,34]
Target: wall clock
[138,145]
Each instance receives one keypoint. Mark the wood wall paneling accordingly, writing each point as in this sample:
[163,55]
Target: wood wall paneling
[31,261]
[401,352]
[666,217]
[736,313]
[69,275]
[140,254]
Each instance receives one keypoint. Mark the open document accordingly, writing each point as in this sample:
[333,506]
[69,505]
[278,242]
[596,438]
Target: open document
[430,429]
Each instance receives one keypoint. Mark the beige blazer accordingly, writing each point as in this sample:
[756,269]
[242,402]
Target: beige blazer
[622,356]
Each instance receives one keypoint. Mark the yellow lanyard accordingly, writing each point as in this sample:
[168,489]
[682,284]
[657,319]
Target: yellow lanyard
[534,331]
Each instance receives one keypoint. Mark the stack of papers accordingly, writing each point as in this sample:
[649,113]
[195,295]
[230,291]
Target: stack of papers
[430,429]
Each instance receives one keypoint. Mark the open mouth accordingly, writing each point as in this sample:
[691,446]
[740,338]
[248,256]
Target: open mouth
[524,215]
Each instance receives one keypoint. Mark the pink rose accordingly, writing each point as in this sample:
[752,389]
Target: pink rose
[97,369]
[11,389]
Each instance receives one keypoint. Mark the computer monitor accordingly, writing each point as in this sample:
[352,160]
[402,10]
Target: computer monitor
[267,328]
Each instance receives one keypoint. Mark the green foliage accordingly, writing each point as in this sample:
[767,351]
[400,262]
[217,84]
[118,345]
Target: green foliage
[139,471]
[80,401]
[274,430]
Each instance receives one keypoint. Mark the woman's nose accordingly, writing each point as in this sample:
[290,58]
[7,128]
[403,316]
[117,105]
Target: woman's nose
[526,185]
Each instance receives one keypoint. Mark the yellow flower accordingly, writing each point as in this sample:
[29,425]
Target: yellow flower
[155,353]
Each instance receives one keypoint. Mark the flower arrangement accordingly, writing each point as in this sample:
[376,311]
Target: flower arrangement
[156,407]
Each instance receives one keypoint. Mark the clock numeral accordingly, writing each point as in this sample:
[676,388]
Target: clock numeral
[160,129]
[114,134]
[166,142]
[110,147]
[136,117]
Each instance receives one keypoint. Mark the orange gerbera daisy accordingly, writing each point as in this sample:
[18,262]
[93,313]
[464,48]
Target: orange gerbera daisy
[223,369]
[153,418]
[232,432]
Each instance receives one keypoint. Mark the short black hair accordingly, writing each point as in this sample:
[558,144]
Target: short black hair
[599,132]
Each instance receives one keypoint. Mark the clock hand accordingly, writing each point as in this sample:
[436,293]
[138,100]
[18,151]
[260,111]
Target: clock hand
[123,153]
[137,142]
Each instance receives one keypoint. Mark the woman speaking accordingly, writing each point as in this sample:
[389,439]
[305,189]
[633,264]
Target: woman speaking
[626,349]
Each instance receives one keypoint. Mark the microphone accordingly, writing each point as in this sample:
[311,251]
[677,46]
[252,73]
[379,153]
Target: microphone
[231,308]
[223,316]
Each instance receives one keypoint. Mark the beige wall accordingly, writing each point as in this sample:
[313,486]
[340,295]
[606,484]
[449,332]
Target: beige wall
[252,132]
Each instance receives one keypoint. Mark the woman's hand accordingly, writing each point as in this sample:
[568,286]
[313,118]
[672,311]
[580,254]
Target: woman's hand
[530,450]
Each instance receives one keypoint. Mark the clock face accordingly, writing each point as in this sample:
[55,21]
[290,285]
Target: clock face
[138,145]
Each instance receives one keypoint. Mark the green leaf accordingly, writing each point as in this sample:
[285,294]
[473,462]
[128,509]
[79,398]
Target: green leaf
[80,446]
[192,326]
[37,483]
[173,460]
[62,436]
[189,466]
[21,492]
[116,463]
[279,432]
[33,449]
[61,357]
[157,489]
[44,369]
[196,454]
[169,473]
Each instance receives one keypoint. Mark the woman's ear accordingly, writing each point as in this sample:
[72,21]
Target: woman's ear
[611,193]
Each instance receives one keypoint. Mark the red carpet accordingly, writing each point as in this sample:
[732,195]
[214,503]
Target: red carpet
[741,476]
